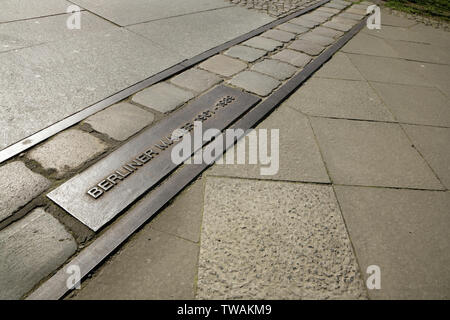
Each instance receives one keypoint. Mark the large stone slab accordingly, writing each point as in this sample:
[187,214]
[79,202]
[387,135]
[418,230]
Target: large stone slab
[163,97]
[26,9]
[263,43]
[30,249]
[295,58]
[68,150]
[196,80]
[255,82]
[152,265]
[19,185]
[139,11]
[27,33]
[274,240]
[369,45]
[433,144]
[49,82]
[415,104]
[339,99]
[299,155]
[339,67]
[405,233]
[245,53]
[371,154]
[120,121]
[223,65]
[274,68]
[192,34]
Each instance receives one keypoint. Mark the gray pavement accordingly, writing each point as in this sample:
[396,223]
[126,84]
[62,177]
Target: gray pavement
[50,72]
[363,181]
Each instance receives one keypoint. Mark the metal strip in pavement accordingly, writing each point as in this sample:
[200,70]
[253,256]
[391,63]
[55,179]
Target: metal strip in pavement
[38,137]
[55,287]
[98,194]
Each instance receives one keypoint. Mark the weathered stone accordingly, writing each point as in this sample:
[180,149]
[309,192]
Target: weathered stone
[334,6]
[304,22]
[307,47]
[274,240]
[30,249]
[339,67]
[371,154]
[338,98]
[351,16]
[291,27]
[196,80]
[295,58]
[263,43]
[245,53]
[275,68]
[318,39]
[340,19]
[338,26]
[67,150]
[405,233]
[162,97]
[433,144]
[255,82]
[327,32]
[315,17]
[223,65]
[120,121]
[279,35]
[18,185]
[327,9]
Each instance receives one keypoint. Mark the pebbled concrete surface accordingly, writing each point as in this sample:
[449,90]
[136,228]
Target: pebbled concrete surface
[274,240]
[18,186]
[30,249]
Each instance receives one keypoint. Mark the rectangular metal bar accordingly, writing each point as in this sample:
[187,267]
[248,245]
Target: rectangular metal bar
[98,194]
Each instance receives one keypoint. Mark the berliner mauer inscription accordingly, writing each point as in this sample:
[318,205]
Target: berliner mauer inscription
[98,194]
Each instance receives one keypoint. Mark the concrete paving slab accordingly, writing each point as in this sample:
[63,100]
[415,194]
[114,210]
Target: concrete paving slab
[369,45]
[279,35]
[327,9]
[304,22]
[438,75]
[152,265]
[183,217]
[299,155]
[389,70]
[433,144]
[30,249]
[162,97]
[339,99]
[315,38]
[420,51]
[223,65]
[255,82]
[47,83]
[291,27]
[263,43]
[245,53]
[405,233]
[327,32]
[19,185]
[343,20]
[333,24]
[414,104]
[139,11]
[120,121]
[316,17]
[196,80]
[188,35]
[371,154]
[352,16]
[274,240]
[32,32]
[67,150]
[295,58]
[391,20]
[13,10]
[307,47]
[274,68]
[339,67]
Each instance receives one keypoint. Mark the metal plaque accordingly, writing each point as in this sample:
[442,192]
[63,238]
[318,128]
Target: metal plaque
[98,194]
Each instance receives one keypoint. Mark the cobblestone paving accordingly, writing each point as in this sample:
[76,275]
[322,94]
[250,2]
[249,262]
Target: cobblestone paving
[274,7]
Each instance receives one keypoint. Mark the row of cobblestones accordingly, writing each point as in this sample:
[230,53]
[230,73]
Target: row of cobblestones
[274,7]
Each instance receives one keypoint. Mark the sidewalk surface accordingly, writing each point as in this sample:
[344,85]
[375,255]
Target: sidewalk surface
[364,171]
[49,72]
[363,180]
